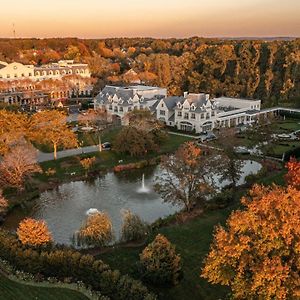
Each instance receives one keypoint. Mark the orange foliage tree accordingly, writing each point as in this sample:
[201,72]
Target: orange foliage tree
[34,233]
[13,128]
[258,254]
[18,165]
[293,175]
[50,128]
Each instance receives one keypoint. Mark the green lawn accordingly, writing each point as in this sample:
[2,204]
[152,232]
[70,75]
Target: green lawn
[192,241]
[11,290]
[106,159]
[286,126]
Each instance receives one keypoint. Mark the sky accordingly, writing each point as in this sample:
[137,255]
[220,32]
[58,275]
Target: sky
[151,18]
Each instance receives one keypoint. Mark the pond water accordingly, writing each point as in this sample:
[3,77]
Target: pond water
[65,207]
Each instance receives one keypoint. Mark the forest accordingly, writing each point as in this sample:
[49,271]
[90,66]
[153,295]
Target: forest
[268,70]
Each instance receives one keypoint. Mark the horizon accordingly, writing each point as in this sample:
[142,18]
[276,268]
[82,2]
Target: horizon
[135,18]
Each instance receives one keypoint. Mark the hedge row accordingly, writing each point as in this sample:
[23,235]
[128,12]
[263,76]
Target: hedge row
[65,263]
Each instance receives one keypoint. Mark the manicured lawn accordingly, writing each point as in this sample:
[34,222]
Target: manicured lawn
[10,290]
[192,241]
[105,159]
[286,126]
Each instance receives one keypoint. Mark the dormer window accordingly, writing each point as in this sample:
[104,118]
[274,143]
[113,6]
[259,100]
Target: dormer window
[179,105]
[193,107]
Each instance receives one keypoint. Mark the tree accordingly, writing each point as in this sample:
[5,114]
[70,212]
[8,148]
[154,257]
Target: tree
[87,163]
[134,142]
[3,206]
[34,233]
[293,175]
[18,165]
[96,231]
[185,179]
[133,228]
[50,128]
[13,128]
[230,166]
[257,254]
[98,118]
[160,264]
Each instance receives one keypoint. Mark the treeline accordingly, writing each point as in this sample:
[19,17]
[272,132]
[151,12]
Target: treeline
[269,70]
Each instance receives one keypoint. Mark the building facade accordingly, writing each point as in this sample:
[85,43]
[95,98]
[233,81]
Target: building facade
[198,113]
[17,71]
[118,101]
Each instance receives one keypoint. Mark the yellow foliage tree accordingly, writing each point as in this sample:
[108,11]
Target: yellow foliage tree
[258,254]
[50,128]
[86,163]
[96,231]
[3,205]
[34,233]
[293,175]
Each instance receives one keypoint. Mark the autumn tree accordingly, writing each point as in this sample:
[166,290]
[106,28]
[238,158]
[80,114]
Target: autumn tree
[96,230]
[50,128]
[87,163]
[18,165]
[293,175]
[185,179]
[133,227]
[257,253]
[160,264]
[13,128]
[34,233]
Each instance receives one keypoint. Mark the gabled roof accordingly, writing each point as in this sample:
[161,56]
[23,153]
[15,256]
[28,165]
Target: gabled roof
[172,101]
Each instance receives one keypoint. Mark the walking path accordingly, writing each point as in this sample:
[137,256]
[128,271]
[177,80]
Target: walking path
[42,156]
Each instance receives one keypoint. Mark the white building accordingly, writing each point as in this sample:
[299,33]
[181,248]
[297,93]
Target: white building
[118,101]
[196,112]
[16,71]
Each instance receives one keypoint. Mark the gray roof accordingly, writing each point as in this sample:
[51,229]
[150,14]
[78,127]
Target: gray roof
[172,101]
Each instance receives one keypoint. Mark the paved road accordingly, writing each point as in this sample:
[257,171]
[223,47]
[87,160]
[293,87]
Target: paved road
[42,156]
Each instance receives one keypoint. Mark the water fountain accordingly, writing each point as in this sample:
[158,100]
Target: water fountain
[143,189]
[91,211]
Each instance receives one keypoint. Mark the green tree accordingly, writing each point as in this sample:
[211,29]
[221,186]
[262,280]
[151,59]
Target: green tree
[160,264]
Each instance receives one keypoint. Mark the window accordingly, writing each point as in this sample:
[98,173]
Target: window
[116,109]
[212,113]
[16,75]
[30,74]
[202,116]
[110,107]
[179,114]
[186,116]
[23,75]
[7,76]
[162,112]
[121,108]
[207,116]
[129,109]
[193,116]
[162,105]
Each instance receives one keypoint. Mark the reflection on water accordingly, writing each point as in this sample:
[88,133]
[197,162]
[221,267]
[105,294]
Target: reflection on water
[65,207]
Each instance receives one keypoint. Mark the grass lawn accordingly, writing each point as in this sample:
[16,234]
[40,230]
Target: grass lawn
[285,126]
[192,241]
[11,290]
[105,159]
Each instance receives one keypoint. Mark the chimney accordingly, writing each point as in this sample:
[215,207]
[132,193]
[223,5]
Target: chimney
[185,94]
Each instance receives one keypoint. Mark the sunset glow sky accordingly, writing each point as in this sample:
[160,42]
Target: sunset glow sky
[155,18]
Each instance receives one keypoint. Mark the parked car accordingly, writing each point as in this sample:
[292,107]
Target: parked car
[206,136]
[106,146]
[241,150]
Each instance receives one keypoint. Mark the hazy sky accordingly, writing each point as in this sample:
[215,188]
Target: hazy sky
[156,18]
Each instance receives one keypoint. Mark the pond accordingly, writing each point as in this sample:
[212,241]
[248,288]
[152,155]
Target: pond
[65,207]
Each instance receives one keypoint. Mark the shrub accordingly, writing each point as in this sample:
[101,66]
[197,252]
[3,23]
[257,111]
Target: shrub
[34,233]
[133,227]
[64,263]
[159,262]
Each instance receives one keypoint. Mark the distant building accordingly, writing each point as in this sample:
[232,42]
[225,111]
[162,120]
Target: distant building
[16,71]
[118,101]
